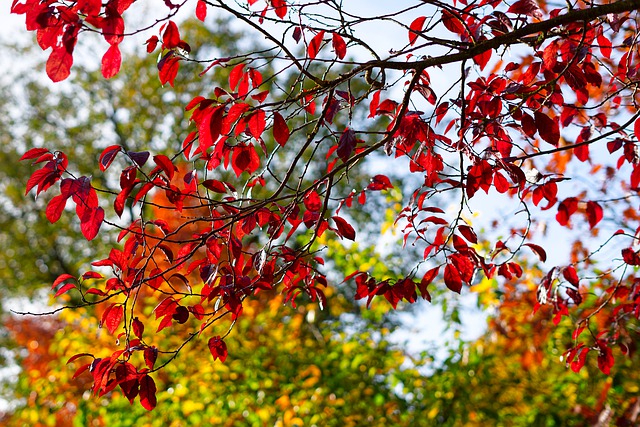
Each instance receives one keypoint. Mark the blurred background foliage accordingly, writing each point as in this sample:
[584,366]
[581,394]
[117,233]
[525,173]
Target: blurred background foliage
[344,365]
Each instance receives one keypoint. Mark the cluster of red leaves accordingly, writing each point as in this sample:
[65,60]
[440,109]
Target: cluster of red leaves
[501,120]
[58,24]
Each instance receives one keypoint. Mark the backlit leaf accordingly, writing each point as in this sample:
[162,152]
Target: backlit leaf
[147,393]
[415,29]
[111,62]
[344,228]
[218,348]
[339,46]
[315,44]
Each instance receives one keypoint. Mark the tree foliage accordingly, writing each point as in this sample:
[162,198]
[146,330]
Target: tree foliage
[527,105]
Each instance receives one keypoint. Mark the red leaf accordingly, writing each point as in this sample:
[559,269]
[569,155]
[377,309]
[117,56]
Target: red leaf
[235,75]
[215,185]
[64,289]
[315,44]
[171,36]
[482,59]
[452,278]
[347,144]
[55,208]
[80,370]
[566,208]
[605,46]
[594,213]
[339,46]
[107,156]
[244,158]
[90,224]
[34,153]
[166,165]
[605,358]
[61,278]
[280,129]
[379,182]
[415,29]
[426,281]
[344,228]
[138,327]
[257,123]
[112,317]
[139,157]
[313,202]
[582,152]
[111,62]
[150,355]
[201,10]
[281,7]
[59,64]
[152,43]
[538,251]
[636,129]
[547,128]
[579,362]
[218,349]
[147,393]
[453,23]
[168,68]
[92,275]
[373,107]
[526,7]
[468,233]
[571,276]
[500,182]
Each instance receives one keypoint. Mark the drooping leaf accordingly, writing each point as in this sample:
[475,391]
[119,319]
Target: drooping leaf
[281,131]
[605,358]
[452,278]
[315,44]
[90,223]
[594,213]
[55,208]
[59,64]
[538,250]
[111,62]
[245,159]
[347,144]
[257,123]
[339,46]
[547,128]
[201,10]
[112,317]
[147,393]
[218,348]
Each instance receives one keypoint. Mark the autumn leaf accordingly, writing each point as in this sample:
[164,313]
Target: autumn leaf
[112,317]
[147,391]
[315,44]
[201,10]
[547,128]
[281,131]
[339,46]
[111,62]
[218,348]
[415,29]
[344,228]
